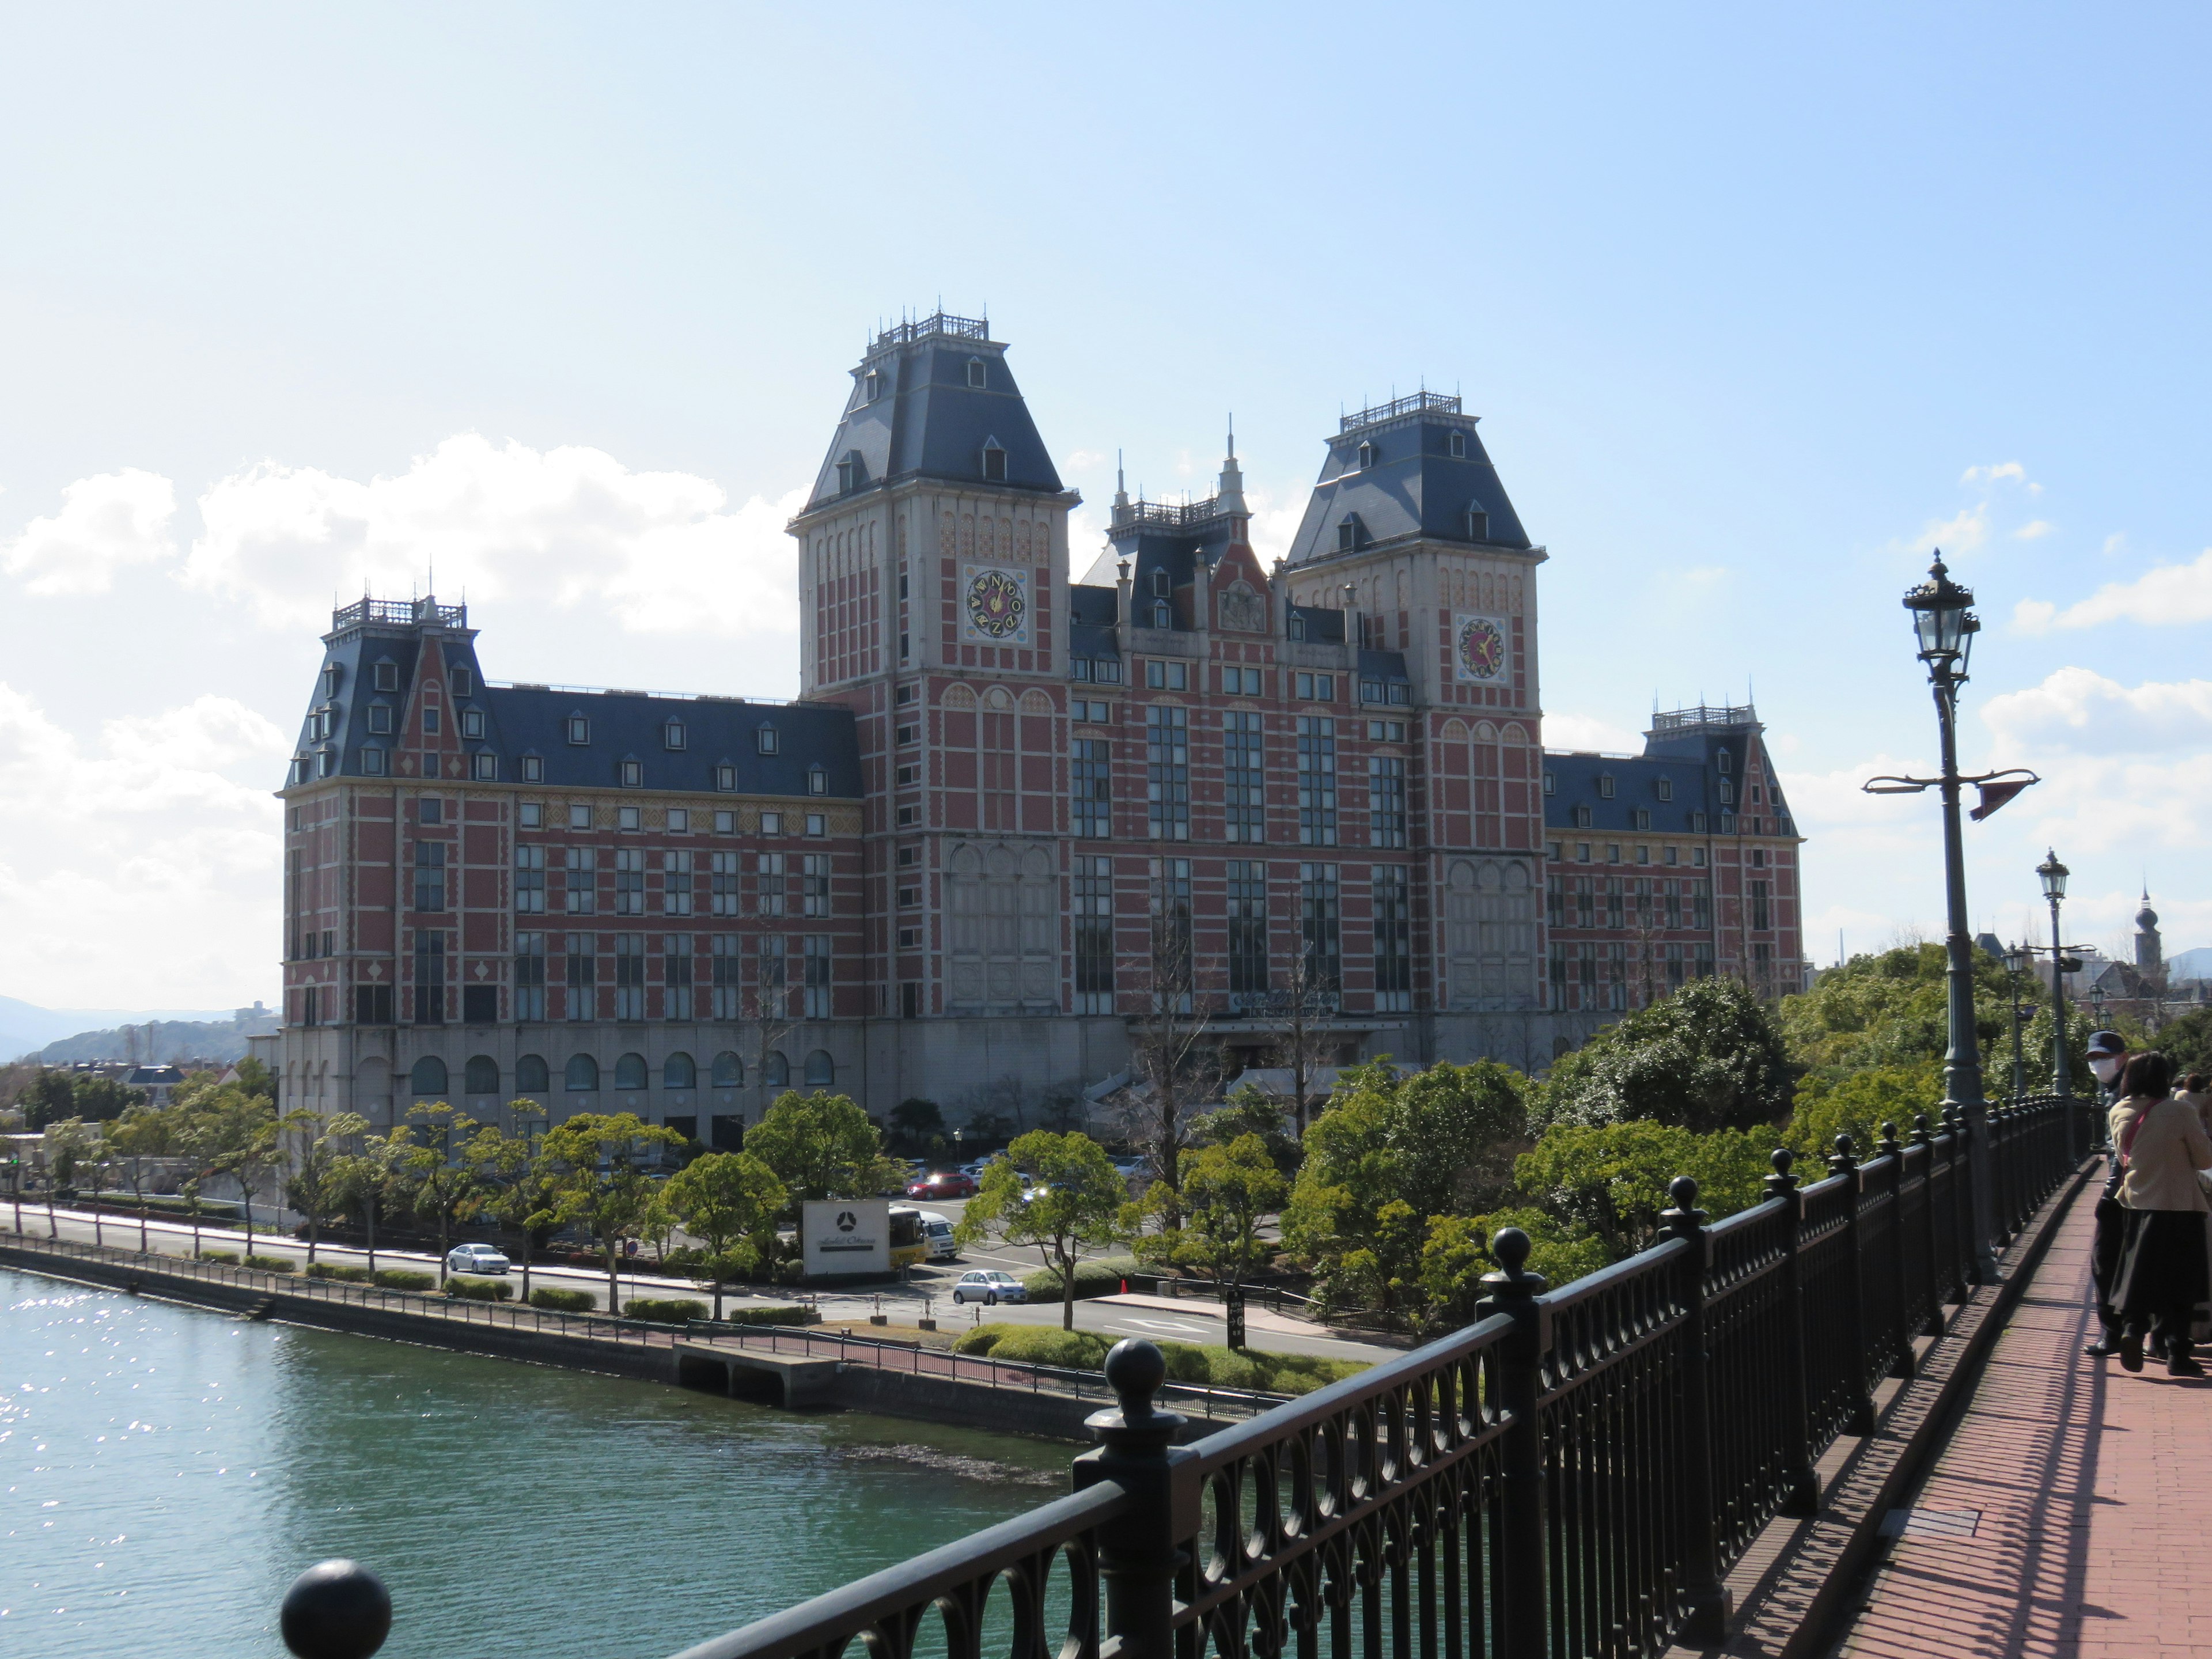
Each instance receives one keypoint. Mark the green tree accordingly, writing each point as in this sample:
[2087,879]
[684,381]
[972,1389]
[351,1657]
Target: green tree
[1891,1008]
[525,1185]
[68,1144]
[723,1198]
[917,1125]
[141,1133]
[1707,1056]
[600,1159]
[1858,1102]
[1611,1179]
[256,1079]
[822,1146]
[1079,1199]
[1457,1254]
[318,1189]
[1249,1112]
[49,1099]
[1227,1189]
[442,1179]
[367,1177]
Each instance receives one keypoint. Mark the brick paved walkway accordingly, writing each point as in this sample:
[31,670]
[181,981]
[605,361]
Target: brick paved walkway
[2070,1516]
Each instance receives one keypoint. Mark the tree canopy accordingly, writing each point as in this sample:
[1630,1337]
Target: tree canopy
[1078,1198]
[822,1145]
[1709,1056]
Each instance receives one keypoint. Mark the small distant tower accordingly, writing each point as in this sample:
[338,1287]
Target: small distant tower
[2150,956]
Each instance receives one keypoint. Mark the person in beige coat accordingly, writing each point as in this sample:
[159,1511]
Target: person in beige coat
[2162,1274]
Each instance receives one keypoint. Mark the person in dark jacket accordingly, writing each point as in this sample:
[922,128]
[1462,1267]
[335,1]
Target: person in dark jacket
[2162,1275]
[2108,1055]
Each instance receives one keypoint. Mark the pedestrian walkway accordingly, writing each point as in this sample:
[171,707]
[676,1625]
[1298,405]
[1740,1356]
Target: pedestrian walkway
[2070,1516]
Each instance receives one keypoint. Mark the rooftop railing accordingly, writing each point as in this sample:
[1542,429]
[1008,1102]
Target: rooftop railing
[406,613]
[1168,515]
[937,324]
[1702,717]
[1413,403]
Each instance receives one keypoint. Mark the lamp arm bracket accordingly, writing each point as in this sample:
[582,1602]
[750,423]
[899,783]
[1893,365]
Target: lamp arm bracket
[1895,785]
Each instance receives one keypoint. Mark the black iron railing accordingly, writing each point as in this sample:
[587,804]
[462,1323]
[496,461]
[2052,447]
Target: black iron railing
[1573,1474]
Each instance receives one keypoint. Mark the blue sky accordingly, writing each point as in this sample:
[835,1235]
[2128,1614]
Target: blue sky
[1757,306]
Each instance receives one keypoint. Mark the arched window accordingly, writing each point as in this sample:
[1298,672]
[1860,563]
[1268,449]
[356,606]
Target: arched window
[530,1075]
[775,1071]
[821,1070]
[428,1077]
[729,1071]
[482,1077]
[583,1074]
[629,1072]
[679,1072]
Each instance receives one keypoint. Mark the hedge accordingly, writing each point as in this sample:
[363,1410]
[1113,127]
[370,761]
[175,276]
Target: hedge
[1102,1277]
[664,1309]
[273,1264]
[339,1271]
[771,1316]
[564,1301]
[399,1278]
[1188,1362]
[229,1258]
[480,1289]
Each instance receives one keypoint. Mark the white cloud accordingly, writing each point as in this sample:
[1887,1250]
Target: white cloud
[2034,530]
[108,520]
[1589,732]
[2001,473]
[2079,711]
[161,838]
[2173,594]
[1963,531]
[661,551]
[1705,575]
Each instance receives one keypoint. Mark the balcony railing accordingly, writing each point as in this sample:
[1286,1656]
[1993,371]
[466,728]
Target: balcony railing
[405,613]
[1413,403]
[938,325]
[1719,717]
[1172,516]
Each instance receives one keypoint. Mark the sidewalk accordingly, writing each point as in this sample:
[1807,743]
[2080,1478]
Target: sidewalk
[2071,1514]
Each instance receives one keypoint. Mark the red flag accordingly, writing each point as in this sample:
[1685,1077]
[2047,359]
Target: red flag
[1995,794]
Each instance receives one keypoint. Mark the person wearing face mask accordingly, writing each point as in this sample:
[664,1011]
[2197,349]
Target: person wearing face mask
[2162,1272]
[2108,1054]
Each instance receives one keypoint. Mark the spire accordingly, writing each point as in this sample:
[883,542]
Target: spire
[1230,497]
[1120,486]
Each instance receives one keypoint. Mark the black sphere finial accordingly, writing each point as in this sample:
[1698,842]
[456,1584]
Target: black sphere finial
[1782,1159]
[1843,1147]
[1134,1370]
[1510,1250]
[1683,1189]
[336,1610]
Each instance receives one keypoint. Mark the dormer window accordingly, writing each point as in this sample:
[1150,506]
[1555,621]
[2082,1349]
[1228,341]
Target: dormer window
[1348,533]
[1160,584]
[978,377]
[1366,456]
[851,473]
[1162,614]
[817,780]
[1728,792]
[330,679]
[1581,817]
[371,762]
[1724,761]
[872,384]
[1604,786]
[995,462]
[764,739]
[464,681]
[472,723]
[533,768]
[430,722]
[725,779]
[328,762]
[387,675]
[1666,788]
[671,734]
[1551,783]
[1459,446]
[1298,626]
[579,730]
[1477,523]
[633,775]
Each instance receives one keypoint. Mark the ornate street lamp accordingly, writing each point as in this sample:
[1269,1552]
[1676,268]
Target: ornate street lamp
[2019,961]
[1945,624]
[2052,874]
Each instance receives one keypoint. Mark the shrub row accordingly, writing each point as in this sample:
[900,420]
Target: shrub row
[1102,1277]
[273,1264]
[664,1309]
[564,1301]
[480,1289]
[339,1271]
[1188,1362]
[771,1316]
[400,1278]
[229,1258]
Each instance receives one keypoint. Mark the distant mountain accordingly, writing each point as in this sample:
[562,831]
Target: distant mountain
[2190,964]
[161,1039]
[26,1028]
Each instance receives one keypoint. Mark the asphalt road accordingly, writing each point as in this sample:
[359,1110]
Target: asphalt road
[929,1292]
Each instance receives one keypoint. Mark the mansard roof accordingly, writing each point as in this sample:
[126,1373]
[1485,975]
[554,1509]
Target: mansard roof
[915,412]
[1684,749]
[1408,482]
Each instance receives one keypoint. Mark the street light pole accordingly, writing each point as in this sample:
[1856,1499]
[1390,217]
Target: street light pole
[1945,628]
[2053,876]
[2018,961]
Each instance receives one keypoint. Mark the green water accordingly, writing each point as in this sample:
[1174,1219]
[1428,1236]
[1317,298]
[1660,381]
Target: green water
[164,1472]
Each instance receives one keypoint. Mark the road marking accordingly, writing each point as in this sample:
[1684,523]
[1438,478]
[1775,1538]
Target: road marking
[1175,1326]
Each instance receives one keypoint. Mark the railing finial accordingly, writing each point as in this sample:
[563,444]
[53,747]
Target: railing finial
[336,1610]
[1781,1181]
[1920,1137]
[1843,1162]
[1889,1146]
[1134,1370]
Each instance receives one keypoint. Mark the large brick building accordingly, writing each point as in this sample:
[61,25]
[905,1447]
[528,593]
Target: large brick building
[1010,810]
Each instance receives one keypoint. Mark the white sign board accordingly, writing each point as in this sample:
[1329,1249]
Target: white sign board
[845,1236]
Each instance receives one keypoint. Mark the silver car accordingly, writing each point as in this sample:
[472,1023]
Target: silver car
[990,1287]
[476,1259]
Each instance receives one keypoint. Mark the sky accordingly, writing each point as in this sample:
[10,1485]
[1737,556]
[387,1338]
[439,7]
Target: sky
[1758,306]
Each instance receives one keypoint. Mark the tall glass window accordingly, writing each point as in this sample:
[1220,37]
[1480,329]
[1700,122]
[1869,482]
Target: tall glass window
[1244,792]
[676,976]
[1316,780]
[773,975]
[1094,935]
[1248,933]
[1393,940]
[1320,921]
[1167,772]
[629,881]
[676,883]
[429,875]
[629,976]
[814,884]
[818,988]
[770,884]
[1761,915]
[1386,800]
[1174,946]
[582,881]
[583,970]
[1090,774]
[430,975]
[722,884]
[530,880]
[728,975]
[530,976]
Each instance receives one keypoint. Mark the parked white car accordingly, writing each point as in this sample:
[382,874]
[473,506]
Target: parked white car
[990,1287]
[476,1259]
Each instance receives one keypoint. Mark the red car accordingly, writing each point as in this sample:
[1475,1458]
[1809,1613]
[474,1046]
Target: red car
[943,1183]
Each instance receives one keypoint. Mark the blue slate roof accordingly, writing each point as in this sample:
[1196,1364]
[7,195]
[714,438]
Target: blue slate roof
[1382,665]
[1411,484]
[913,414]
[1688,759]
[1322,625]
[1161,540]
[1093,607]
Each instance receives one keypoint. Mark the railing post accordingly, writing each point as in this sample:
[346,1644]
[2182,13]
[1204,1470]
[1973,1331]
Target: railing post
[1933,1325]
[1902,1365]
[1137,1554]
[1706,1600]
[1802,1496]
[1962,1212]
[1522,1532]
[1860,1419]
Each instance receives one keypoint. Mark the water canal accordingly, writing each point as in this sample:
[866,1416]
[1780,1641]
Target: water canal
[165,1471]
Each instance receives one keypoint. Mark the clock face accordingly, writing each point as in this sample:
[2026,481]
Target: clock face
[1481,649]
[995,604]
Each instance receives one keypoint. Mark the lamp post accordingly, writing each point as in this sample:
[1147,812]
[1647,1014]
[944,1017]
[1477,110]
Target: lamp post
[2018,961]
[1944,623]
[2052,874]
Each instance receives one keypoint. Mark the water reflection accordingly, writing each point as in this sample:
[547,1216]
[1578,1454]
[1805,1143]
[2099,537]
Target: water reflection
[165,1471]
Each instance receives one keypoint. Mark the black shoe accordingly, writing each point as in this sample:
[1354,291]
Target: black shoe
[2102,1348]
[2183,1363]
[2131,1352]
